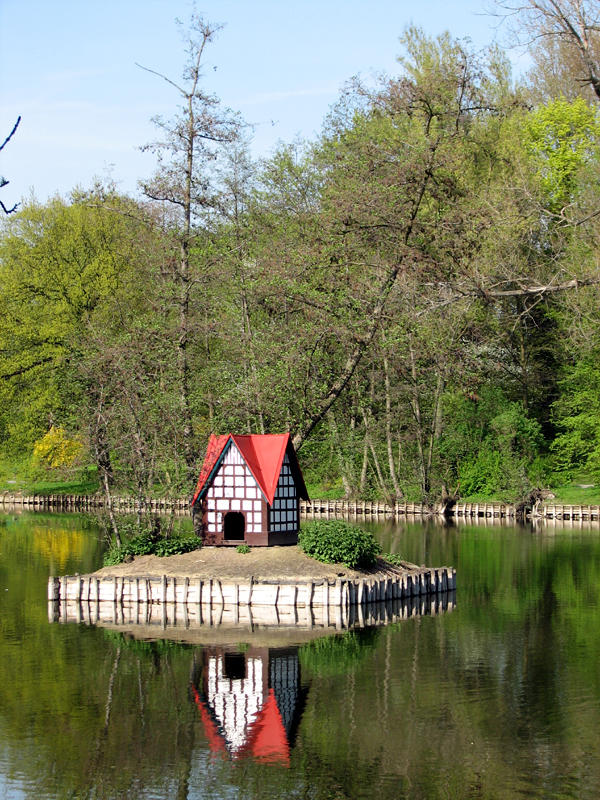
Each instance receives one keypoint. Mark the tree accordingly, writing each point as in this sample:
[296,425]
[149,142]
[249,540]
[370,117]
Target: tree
[565,40]
[185,180]
[396,204]
[3,181]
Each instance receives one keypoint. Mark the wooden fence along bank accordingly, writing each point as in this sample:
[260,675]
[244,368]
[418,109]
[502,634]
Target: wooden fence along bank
[315,509]
[323,603]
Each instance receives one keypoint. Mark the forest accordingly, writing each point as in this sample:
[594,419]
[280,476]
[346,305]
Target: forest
[414,294]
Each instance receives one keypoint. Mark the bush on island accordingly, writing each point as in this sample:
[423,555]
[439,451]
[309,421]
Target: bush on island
[334,541]
[150,543]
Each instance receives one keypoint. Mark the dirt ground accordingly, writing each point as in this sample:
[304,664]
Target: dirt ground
[261,563]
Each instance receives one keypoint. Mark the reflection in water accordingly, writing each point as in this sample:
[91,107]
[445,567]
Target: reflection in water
[250,702]
[500,700]
[184,619]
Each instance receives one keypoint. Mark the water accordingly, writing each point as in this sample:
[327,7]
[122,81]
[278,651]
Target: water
[498,699]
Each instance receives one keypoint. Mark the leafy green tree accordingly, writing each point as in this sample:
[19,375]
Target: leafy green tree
[185,181]
[563,140]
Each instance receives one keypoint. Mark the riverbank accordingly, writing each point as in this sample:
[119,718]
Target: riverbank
[344,509]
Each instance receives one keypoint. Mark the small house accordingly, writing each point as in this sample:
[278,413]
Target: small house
[249,491]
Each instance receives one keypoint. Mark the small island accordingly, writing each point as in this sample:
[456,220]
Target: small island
[270,586]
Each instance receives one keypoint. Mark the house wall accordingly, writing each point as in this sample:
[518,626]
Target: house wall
[284,513]
[234,489]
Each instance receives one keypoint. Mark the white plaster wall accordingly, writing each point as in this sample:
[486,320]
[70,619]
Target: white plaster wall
[234,489]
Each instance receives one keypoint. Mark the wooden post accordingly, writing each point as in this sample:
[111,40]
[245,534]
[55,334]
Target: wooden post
[53,589]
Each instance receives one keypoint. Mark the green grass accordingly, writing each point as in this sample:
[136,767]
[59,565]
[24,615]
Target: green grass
[572,493]
[15,478]
[321,492]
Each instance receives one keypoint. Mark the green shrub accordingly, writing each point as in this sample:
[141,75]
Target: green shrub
[393,558]
[333,541]
[242,548]
[150,543]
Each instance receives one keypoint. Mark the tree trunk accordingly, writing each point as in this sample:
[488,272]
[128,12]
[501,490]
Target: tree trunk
[388,431]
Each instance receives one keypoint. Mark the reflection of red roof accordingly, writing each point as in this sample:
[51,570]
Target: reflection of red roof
[267,737]
[215,740]
[263,453]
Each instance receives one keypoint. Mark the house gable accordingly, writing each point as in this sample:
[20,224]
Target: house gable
[232,487]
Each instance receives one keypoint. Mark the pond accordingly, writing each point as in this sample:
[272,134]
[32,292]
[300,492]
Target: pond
[498,699]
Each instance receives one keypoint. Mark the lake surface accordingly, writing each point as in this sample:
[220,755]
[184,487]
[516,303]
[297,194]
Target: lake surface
[498,699]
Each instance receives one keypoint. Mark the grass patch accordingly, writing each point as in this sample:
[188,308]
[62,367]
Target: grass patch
[573,494]
[325,492]
[16,477]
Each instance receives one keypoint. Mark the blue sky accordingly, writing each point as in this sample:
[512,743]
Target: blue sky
[68,67]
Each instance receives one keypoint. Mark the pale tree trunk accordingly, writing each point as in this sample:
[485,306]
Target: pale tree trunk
[347,477]
[365,465]
[188,144]
[251,360]
[436,421]
[388,431]
[100,449]
[371,447]
[420,433]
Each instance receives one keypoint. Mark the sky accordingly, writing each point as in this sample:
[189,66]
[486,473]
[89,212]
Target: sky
[68,67]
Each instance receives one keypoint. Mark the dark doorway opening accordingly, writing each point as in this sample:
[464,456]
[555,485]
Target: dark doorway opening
[235,666]
[234,525]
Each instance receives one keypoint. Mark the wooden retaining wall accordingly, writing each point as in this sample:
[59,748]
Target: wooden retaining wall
[487,510]
[92,502]
[338,594]
[567,512]
[315,509]
[365,508]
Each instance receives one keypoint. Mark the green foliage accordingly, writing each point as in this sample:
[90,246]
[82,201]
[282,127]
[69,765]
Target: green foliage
[393,558]
[332,656]
[150,542]
[436,189]
[339,542]
[577,415]
[242,548]
[493,445]
[563,137]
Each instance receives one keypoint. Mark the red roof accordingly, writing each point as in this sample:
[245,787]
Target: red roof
[263,453]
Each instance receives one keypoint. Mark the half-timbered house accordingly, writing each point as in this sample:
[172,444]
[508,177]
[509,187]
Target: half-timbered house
[249,491]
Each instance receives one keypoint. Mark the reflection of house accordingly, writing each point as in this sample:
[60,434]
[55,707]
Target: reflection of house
[250,703]
[249,491]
